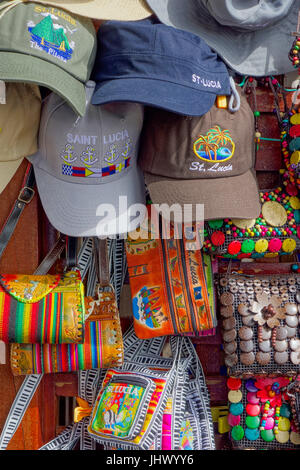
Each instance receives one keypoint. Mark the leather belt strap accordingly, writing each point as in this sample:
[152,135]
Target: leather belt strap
[101,261]
[71,252]
[51,257]
[25,197]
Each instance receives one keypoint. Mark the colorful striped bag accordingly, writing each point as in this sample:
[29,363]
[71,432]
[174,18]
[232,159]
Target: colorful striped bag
[102,346]
[42,308]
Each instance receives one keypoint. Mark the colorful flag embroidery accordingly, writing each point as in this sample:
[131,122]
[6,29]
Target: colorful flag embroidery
[84,172]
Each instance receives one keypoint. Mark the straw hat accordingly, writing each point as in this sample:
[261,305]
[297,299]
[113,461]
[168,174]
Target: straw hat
[122,10]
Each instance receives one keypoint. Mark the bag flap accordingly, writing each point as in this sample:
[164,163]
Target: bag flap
[28,288]
[102,308]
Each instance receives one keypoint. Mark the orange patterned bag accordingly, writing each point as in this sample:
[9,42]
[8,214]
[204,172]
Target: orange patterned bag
[167,280]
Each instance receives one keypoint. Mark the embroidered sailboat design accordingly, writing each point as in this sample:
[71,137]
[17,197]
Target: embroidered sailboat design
[51,38]
[62,47]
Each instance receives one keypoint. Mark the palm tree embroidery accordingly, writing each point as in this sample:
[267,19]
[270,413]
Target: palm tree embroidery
[218,136]
[213,141]
[207,146]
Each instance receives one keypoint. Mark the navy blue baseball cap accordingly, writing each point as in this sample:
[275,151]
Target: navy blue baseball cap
[157,65]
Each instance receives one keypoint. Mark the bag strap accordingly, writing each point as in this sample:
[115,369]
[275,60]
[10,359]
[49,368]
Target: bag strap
[25,196]
[101,261]
[31,382]
[52,256]
[19,407]
[71,252]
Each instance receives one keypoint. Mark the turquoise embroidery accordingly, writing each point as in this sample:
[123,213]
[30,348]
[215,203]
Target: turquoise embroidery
[51,38]
[216,145]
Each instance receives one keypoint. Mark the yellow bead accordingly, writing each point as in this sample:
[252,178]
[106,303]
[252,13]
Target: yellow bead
[284,424]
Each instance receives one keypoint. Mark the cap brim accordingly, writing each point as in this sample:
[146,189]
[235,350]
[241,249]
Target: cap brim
[16,67]
[7,171]
[119,10]
[231,197]
[176,98]
[79,210]
[260,52]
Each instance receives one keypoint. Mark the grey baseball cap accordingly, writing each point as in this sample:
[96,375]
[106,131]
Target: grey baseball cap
[86,167]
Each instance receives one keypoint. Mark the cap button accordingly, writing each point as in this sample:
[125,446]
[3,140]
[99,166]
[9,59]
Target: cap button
[90,84]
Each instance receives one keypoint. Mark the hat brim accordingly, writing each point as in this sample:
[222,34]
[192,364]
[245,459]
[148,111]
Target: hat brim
[173,97]
[258,53]
[16,67]
[232,197]
[120,10]
[78,210]
[7,171]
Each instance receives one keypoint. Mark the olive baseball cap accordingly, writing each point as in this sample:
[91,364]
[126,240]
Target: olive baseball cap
[47,46]
[19,124]
[202,160]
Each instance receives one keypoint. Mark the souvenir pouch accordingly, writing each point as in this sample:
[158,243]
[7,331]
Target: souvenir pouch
[275,232]
[260,323]
[123,405]
[137,410]
[42,309]
[167,281]
[102,346]
[260,413]
[164,374]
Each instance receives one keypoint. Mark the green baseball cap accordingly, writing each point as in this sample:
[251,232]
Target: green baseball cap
[48,46]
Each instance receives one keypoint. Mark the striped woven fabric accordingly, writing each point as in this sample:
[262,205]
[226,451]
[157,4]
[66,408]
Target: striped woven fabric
[41,309]
[96,352]
[102,347]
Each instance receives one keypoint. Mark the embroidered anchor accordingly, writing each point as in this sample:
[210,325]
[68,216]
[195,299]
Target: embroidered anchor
[67,155]
[88,157]
[127,150]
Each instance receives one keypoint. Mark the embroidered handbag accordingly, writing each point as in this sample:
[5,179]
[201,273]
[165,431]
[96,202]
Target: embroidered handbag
[129,407]
[193,426]
[168,283]
[186,420]
[41,309]
[89,380]
[275,232]
[260,318]
[102,346]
